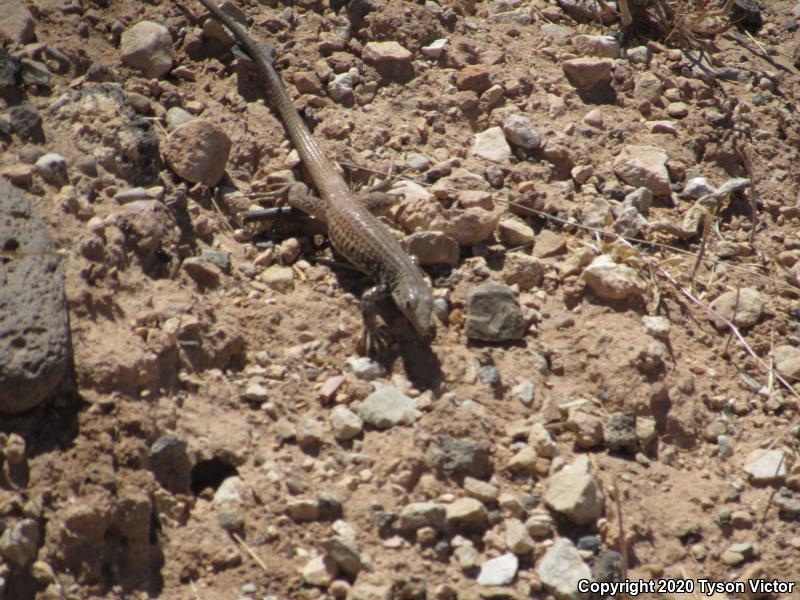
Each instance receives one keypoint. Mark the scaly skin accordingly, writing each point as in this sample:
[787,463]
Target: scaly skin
[355,232]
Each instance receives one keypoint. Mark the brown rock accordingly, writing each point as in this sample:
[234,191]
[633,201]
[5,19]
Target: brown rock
[198,151]
[474,78]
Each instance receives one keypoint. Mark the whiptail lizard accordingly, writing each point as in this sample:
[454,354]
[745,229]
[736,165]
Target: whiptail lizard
[355,232]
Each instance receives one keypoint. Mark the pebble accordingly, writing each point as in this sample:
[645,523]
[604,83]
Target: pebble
[677,110]
[539,524]
[612,281]
[561,568]
[724,446]
[340,88]
[52,168]
[523,270]
[20,542]
[630,223]
[466,512]
[524,461]
[766,466]
[345,552]
[521,132]
[147,46]
[493,314]
[743,307]
[17,25]
[198,151]
[499,571]
[513,231]
[422,514]
[575,492]
[278,278]
[35,73]
[176,116]
[518,540]
[787,361]
[345,423]
[481,490]
[433,248]
[386,407]
[435,48]
[656,326]
[474,78]
[541,441]
[604,46]
[26,122]
[641,199]
[644,166]
[365,368]
[587,73]
[320,571]
[491,145]
[697,187]
[461,456]
[549,243]
[588,429]
[524,392]
[594,118]
[619,432]
[582,173]
[204,273]
[170,463]
[390,51]
[638,55]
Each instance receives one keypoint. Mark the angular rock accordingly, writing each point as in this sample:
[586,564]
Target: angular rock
[644,166]
[561,569]
[499,571]
[743,307]
[17,25]
[521,132]
[697,187]
[518,540]
[170,463]
[523,270]
[457,456]
[198,151]
[345,423]
[766,466]
[604,46]
[473,78]
[433,248]
[549,243]
[575,492]
[493,314]
[386,52]
[612,281]
[588,429]
[587,73]
[147,46]
[320,571]
[34,333]
[345,552]
[466,512]
[512,230]
[491,145]
[386,407]
[619,432]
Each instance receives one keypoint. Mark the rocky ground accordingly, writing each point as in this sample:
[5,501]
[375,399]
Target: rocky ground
[195,421]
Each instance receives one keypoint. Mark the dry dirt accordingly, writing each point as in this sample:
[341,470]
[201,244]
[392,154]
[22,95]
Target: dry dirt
[156,354]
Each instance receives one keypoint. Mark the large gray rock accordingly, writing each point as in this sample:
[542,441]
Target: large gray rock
[34,331]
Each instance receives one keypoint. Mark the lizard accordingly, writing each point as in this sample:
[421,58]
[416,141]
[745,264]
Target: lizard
[353,230]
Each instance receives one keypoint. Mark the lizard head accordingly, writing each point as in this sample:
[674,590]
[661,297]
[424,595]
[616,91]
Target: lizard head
[416,303]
